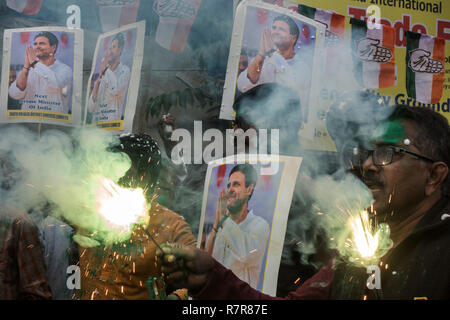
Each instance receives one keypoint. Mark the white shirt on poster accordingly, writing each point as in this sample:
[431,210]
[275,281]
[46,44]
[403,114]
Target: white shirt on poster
[293,73]
[49,88]
[241,247]
[111,94]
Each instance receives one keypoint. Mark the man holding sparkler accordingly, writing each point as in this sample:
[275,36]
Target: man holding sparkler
[407,172]
[120,270]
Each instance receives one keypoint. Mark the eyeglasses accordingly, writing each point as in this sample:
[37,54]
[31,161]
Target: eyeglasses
[383,155]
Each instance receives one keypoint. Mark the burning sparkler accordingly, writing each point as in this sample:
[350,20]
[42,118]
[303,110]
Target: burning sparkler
[364,243]
[120,209]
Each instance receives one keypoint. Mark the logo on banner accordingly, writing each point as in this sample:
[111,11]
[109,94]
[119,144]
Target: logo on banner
[174,8]
[420,61]
[369,50]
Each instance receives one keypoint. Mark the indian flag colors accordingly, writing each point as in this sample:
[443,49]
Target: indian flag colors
[28,7]
[425,58]
[335,22]
[373,55]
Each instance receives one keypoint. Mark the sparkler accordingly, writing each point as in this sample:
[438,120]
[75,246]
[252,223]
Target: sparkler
[364,244]
[122,208]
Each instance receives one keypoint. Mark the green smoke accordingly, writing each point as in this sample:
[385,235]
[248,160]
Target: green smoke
[64,170]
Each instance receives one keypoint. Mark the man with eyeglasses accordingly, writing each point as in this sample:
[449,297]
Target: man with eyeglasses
[406,169]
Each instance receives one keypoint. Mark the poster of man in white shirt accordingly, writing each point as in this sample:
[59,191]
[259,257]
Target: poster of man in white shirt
[282,46]
[47,82]
[239,236]
[112,87]
[242,204]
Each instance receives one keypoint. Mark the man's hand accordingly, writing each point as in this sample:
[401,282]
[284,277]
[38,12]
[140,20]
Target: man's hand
[105,63]
[221,207]
[30,57]
[266,45]
[184,266]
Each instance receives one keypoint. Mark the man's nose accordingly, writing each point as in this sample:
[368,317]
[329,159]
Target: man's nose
[368,165]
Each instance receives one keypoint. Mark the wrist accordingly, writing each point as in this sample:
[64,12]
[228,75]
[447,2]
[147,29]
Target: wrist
[33,63]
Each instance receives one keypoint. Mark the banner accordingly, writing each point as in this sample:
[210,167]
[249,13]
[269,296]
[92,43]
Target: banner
[28,7]
[373,55]
[427,17]
[175,21]
[114,14]
[425,67]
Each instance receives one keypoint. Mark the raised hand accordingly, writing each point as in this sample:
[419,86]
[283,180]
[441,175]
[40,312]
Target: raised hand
[266,45]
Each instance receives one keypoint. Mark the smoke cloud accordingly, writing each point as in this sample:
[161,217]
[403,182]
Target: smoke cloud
[62,169]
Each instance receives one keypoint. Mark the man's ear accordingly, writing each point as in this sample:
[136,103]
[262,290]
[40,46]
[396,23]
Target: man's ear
[436,176]
[249,189]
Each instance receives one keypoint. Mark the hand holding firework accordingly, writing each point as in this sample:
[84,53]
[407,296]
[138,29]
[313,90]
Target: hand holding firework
[184,267]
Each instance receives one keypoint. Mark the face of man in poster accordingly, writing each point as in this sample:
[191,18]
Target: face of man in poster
[281,35]
[238,193]
[42,48]
[114,52]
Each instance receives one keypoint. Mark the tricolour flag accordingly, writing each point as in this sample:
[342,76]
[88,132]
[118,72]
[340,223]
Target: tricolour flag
[28,7]
[335,22]
[373,55]
[334,36]
[425,58]
[175,21]
[117,13]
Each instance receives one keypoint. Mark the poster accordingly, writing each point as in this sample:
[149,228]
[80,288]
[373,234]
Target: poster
[274,44]
[114,81]
[42,75]
[244,200]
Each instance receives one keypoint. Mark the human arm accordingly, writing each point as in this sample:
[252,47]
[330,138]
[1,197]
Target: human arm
[207,279]
[266,45]
[30,61]
[218,220]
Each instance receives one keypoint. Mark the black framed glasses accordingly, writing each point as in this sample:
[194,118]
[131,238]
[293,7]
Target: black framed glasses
[383,155]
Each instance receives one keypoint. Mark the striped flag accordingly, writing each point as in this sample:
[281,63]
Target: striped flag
[175,21]
[117,13]
[373,55]
[335,53]
[425,58]
[335,22]
[28,7]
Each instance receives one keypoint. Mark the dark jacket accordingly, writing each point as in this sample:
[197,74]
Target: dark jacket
[418,268]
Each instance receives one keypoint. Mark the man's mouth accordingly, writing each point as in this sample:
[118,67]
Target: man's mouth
[373,185]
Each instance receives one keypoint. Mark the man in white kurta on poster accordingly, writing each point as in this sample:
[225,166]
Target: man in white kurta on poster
[107,99]
[44,83]
[239,237]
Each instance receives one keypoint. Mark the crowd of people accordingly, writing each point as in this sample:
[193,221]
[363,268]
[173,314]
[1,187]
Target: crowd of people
[403,162]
